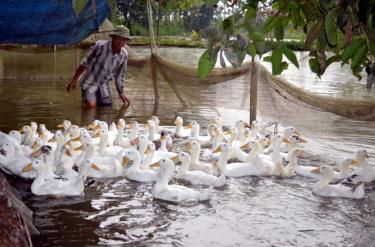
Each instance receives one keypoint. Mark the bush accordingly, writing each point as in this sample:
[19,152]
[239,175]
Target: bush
[137,29]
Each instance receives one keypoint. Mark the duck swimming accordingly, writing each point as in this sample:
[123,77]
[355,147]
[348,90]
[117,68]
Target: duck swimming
[175,193]
[325,189]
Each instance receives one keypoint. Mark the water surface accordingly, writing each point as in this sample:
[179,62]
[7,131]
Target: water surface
[247,212]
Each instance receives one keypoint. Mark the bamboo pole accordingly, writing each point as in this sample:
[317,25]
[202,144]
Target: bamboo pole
[155,84]
[253,91]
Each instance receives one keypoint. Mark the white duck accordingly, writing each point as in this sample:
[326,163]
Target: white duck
[64,161]
[153,135]
[46,134]
[29,137]
[109,167]
[196,163]
[134,171]
[345,170]
[181,131]
[110,132]
[65,125]
[195,133]
[55,186]
[105,147]
[199,177]
[14,162]
[256,167]
[365,172]
[290,169]
[325,189]
[175,193]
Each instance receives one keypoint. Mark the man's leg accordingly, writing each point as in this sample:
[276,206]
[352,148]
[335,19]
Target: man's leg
[89,99]
[107,101]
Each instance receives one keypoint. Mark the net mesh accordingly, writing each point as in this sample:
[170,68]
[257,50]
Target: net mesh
[271,88]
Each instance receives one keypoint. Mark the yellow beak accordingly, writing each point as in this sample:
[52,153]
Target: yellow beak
[218,149]
[316,170]
[95,166]
[155,165]
[27,168]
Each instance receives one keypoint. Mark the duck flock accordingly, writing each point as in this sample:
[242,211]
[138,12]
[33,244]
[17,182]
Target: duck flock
[65,162]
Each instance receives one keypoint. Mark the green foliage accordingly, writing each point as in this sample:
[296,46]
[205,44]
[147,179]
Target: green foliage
[207,62]
[346,27]
[138,29]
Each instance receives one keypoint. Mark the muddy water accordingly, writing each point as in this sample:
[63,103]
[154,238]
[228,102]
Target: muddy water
[247,212]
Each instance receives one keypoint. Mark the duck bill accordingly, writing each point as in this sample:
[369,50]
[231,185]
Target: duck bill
[155,165]
[218,149]
[303,140]
[60,125]
[175,159]
[95,166]
[35,145]
[76,139]
[286,140]
[80,148]
[67,152]
[316,170]
[355,162]
[36,153]
[27,168]
[245,146]
[53,139]
[125,161]
[189,126]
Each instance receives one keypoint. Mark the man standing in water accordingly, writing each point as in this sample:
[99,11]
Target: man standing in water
[106,60]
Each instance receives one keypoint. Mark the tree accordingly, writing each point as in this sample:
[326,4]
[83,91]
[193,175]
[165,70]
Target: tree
[344,27]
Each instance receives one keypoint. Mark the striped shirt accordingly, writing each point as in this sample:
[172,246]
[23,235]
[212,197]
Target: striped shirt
[101,67]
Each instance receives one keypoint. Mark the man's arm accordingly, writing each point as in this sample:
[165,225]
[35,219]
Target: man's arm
[90,57]
[119,80]
[73,83]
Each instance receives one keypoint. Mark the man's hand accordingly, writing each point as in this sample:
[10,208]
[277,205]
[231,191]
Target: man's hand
[125,100]
[71,85]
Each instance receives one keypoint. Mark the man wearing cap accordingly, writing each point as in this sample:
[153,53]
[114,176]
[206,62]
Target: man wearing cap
[106,60]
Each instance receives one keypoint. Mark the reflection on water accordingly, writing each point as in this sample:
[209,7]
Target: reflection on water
[247,212]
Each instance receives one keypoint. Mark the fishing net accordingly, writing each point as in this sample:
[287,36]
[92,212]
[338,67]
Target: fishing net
[271,88]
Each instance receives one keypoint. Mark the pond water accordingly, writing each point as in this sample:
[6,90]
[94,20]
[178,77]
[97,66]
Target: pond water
[247,212]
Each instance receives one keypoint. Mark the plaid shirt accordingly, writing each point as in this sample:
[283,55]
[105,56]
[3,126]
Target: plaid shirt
[102,66]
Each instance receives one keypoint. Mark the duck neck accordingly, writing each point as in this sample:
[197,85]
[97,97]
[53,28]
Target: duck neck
[146,163]
[292,165]
[40,178]
[195,132]
[163,146]
[136,165]
[223,160]
[103,143]
[178,128]
[184,167]
[120,134]
[195,154]
[163,178]
[364,163]
[151,132]
[345,170]
[252,154]
[323,182]
[48,161]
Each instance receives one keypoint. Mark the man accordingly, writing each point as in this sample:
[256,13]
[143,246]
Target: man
[106,60]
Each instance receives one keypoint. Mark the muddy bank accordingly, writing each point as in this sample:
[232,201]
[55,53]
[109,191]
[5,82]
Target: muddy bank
[16,225]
